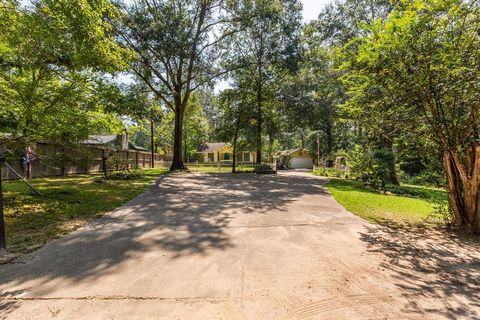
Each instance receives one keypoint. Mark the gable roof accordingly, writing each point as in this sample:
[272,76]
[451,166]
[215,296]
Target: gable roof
[210,147]
[132,146]
[286,153]
[101,139]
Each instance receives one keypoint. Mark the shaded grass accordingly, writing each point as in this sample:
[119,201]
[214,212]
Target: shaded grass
[68,203]
[413,205]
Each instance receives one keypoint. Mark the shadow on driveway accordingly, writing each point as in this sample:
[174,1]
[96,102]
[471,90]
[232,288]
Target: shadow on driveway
[184,214]
[427,264]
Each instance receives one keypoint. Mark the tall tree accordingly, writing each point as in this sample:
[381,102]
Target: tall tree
[426,54]
[267,44]
[342,20]
[339,23]
[178,43]
[234,120]
[310,96]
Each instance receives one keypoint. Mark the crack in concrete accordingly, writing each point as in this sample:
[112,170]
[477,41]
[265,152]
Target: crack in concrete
[120,297]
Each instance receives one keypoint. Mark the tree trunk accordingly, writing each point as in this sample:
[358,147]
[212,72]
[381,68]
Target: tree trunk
[318,151]
[464,186]
[259,103]
[393,178]
[329,138]
[185,146]
[259,123]
[152,164]
[3,243]
[177,161]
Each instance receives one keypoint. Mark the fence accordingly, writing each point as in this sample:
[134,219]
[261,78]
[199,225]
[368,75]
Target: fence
[91,161]
[226,166]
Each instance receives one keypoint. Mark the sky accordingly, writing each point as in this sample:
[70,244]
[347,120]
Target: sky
[311,8]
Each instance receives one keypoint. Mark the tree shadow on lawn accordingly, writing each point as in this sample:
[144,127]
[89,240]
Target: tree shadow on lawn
[431,264]
[182,214]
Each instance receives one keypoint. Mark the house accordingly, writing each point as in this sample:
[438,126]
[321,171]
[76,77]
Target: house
[113,141]
[294,159]
[221,151]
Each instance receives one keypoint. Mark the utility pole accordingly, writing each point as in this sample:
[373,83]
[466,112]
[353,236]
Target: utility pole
[152,164]
[3,242]
[318,151]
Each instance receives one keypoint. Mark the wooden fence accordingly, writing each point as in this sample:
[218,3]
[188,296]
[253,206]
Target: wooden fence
[90,160]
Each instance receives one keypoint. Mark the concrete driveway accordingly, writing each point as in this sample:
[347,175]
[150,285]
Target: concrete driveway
[198,246]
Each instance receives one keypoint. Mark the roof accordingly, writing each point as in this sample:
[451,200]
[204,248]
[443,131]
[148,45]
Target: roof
[132,146]
[210,147]
[286,153]
[101,139]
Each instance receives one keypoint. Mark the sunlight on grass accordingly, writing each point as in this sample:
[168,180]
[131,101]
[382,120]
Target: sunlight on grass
[407,204]
[68,203]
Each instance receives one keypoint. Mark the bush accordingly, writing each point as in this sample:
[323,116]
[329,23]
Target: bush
[328,172]
[442,212]
[372,166]
[126,175]
[264,169]
[425,178]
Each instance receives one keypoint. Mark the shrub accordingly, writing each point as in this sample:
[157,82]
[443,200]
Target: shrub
[126,175]
[328,172]
[371,165]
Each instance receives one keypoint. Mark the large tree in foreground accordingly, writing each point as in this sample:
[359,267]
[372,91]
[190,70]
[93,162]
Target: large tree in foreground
[177,46]
[428,59]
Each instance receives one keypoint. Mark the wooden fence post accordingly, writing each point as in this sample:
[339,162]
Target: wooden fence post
[104,163]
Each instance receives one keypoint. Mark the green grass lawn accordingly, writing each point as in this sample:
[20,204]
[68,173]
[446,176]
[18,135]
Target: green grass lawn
[411,205]
[68,203]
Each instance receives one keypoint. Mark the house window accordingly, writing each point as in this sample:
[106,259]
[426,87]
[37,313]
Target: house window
[239,157]
[246,156]
[211,157]
[226,156]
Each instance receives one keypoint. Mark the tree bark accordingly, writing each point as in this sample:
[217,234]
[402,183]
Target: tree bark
[185,145]
[259,117]
[464,186]
[318,151]
[177,161]
[393,178]
[152,142]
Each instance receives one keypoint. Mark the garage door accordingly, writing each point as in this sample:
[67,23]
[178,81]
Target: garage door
[301,163]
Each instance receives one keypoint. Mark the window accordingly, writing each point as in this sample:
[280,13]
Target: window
[211,157]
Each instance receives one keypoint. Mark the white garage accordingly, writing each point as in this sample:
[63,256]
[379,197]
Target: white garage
[294,159]
[301,163]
